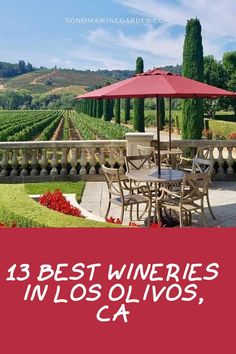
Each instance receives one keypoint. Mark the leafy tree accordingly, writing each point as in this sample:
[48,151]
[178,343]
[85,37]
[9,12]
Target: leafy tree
[215,74]
[22,67]
[29,67]
[192,124]
[117,111]
[138,104]
[229,62]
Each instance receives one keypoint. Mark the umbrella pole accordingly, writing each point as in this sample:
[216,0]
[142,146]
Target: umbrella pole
[170,124]
[158,135]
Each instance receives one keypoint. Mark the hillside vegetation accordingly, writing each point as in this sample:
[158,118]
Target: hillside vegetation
[47,80]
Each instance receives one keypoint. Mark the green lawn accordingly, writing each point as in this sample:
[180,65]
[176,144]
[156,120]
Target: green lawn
[16,207]
[65,187]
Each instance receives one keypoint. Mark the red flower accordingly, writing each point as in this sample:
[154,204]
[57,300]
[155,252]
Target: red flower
[133,224]
[155,226]
[56,201]
[113,220]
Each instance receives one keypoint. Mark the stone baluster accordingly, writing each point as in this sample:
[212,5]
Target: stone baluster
[54,163]
[83,162]
[211,157]
[102,160]
[230,161]
[24,163]
[121,161]
[73,162]
[34,163]
[112,159]
[44,163]
[4,163]
[64,163]
[92,161]
[221,170]
[14,163]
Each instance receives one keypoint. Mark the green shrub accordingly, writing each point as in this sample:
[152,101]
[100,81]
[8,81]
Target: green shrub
[225,117]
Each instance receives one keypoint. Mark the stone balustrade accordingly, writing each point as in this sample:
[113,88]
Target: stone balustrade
[59,160]
[73,160]
[222,152]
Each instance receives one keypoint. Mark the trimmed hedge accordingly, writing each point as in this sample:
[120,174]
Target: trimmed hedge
[225,117]
[17,207]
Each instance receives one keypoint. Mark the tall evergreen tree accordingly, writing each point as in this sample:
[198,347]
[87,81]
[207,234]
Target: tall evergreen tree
[117,111]
[162,113]
[138,103]
[94,108]
[99,109]
[111,109]
[192,111]
[106,110]
[127,109]
[91,108]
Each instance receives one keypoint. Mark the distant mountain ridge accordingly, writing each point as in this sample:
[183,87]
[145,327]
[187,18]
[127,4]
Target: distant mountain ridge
[42,80]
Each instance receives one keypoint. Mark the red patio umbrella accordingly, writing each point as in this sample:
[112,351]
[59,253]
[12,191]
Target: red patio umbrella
[157,83]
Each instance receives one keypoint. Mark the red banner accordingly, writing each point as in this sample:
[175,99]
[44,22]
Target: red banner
[117,291]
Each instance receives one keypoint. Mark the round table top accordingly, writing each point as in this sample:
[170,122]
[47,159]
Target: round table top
[167,175]
[171,152]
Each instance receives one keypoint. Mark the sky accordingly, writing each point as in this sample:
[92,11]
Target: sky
[110,34]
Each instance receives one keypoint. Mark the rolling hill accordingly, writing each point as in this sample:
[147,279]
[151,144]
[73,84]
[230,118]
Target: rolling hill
[55,80]
[62,81]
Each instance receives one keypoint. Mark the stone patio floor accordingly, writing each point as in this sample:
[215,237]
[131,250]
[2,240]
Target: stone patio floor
[222,197]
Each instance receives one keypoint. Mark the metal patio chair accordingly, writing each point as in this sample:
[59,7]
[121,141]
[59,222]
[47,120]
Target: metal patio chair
[117,195]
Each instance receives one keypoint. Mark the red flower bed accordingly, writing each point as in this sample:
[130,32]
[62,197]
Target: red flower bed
[56,201]
[232,136]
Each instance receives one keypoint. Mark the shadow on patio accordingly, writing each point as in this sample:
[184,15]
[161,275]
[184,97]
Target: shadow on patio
[222,197]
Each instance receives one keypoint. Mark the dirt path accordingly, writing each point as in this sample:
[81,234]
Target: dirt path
[35,81]
[73,131]
[58,134]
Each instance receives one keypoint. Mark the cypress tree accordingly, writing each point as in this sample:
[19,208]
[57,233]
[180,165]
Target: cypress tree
[106,110]
[117,111]
[86,106]
[127,109]
[99,109]
[90,108]
[139,102]
[111,110]
[162,113]
[94,108]
[192,111]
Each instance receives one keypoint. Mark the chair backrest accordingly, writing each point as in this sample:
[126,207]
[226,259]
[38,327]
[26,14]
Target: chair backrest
[112,177]
[203,152]
[148,150]
[137,162]
[194,186]
[202,165]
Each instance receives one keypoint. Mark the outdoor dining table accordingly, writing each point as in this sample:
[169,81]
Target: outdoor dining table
[167,177]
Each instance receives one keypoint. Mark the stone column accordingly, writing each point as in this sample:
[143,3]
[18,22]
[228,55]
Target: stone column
[134,139]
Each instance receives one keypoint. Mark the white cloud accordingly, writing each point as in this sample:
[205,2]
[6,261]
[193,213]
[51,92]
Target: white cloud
[217,18]
[100,59]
